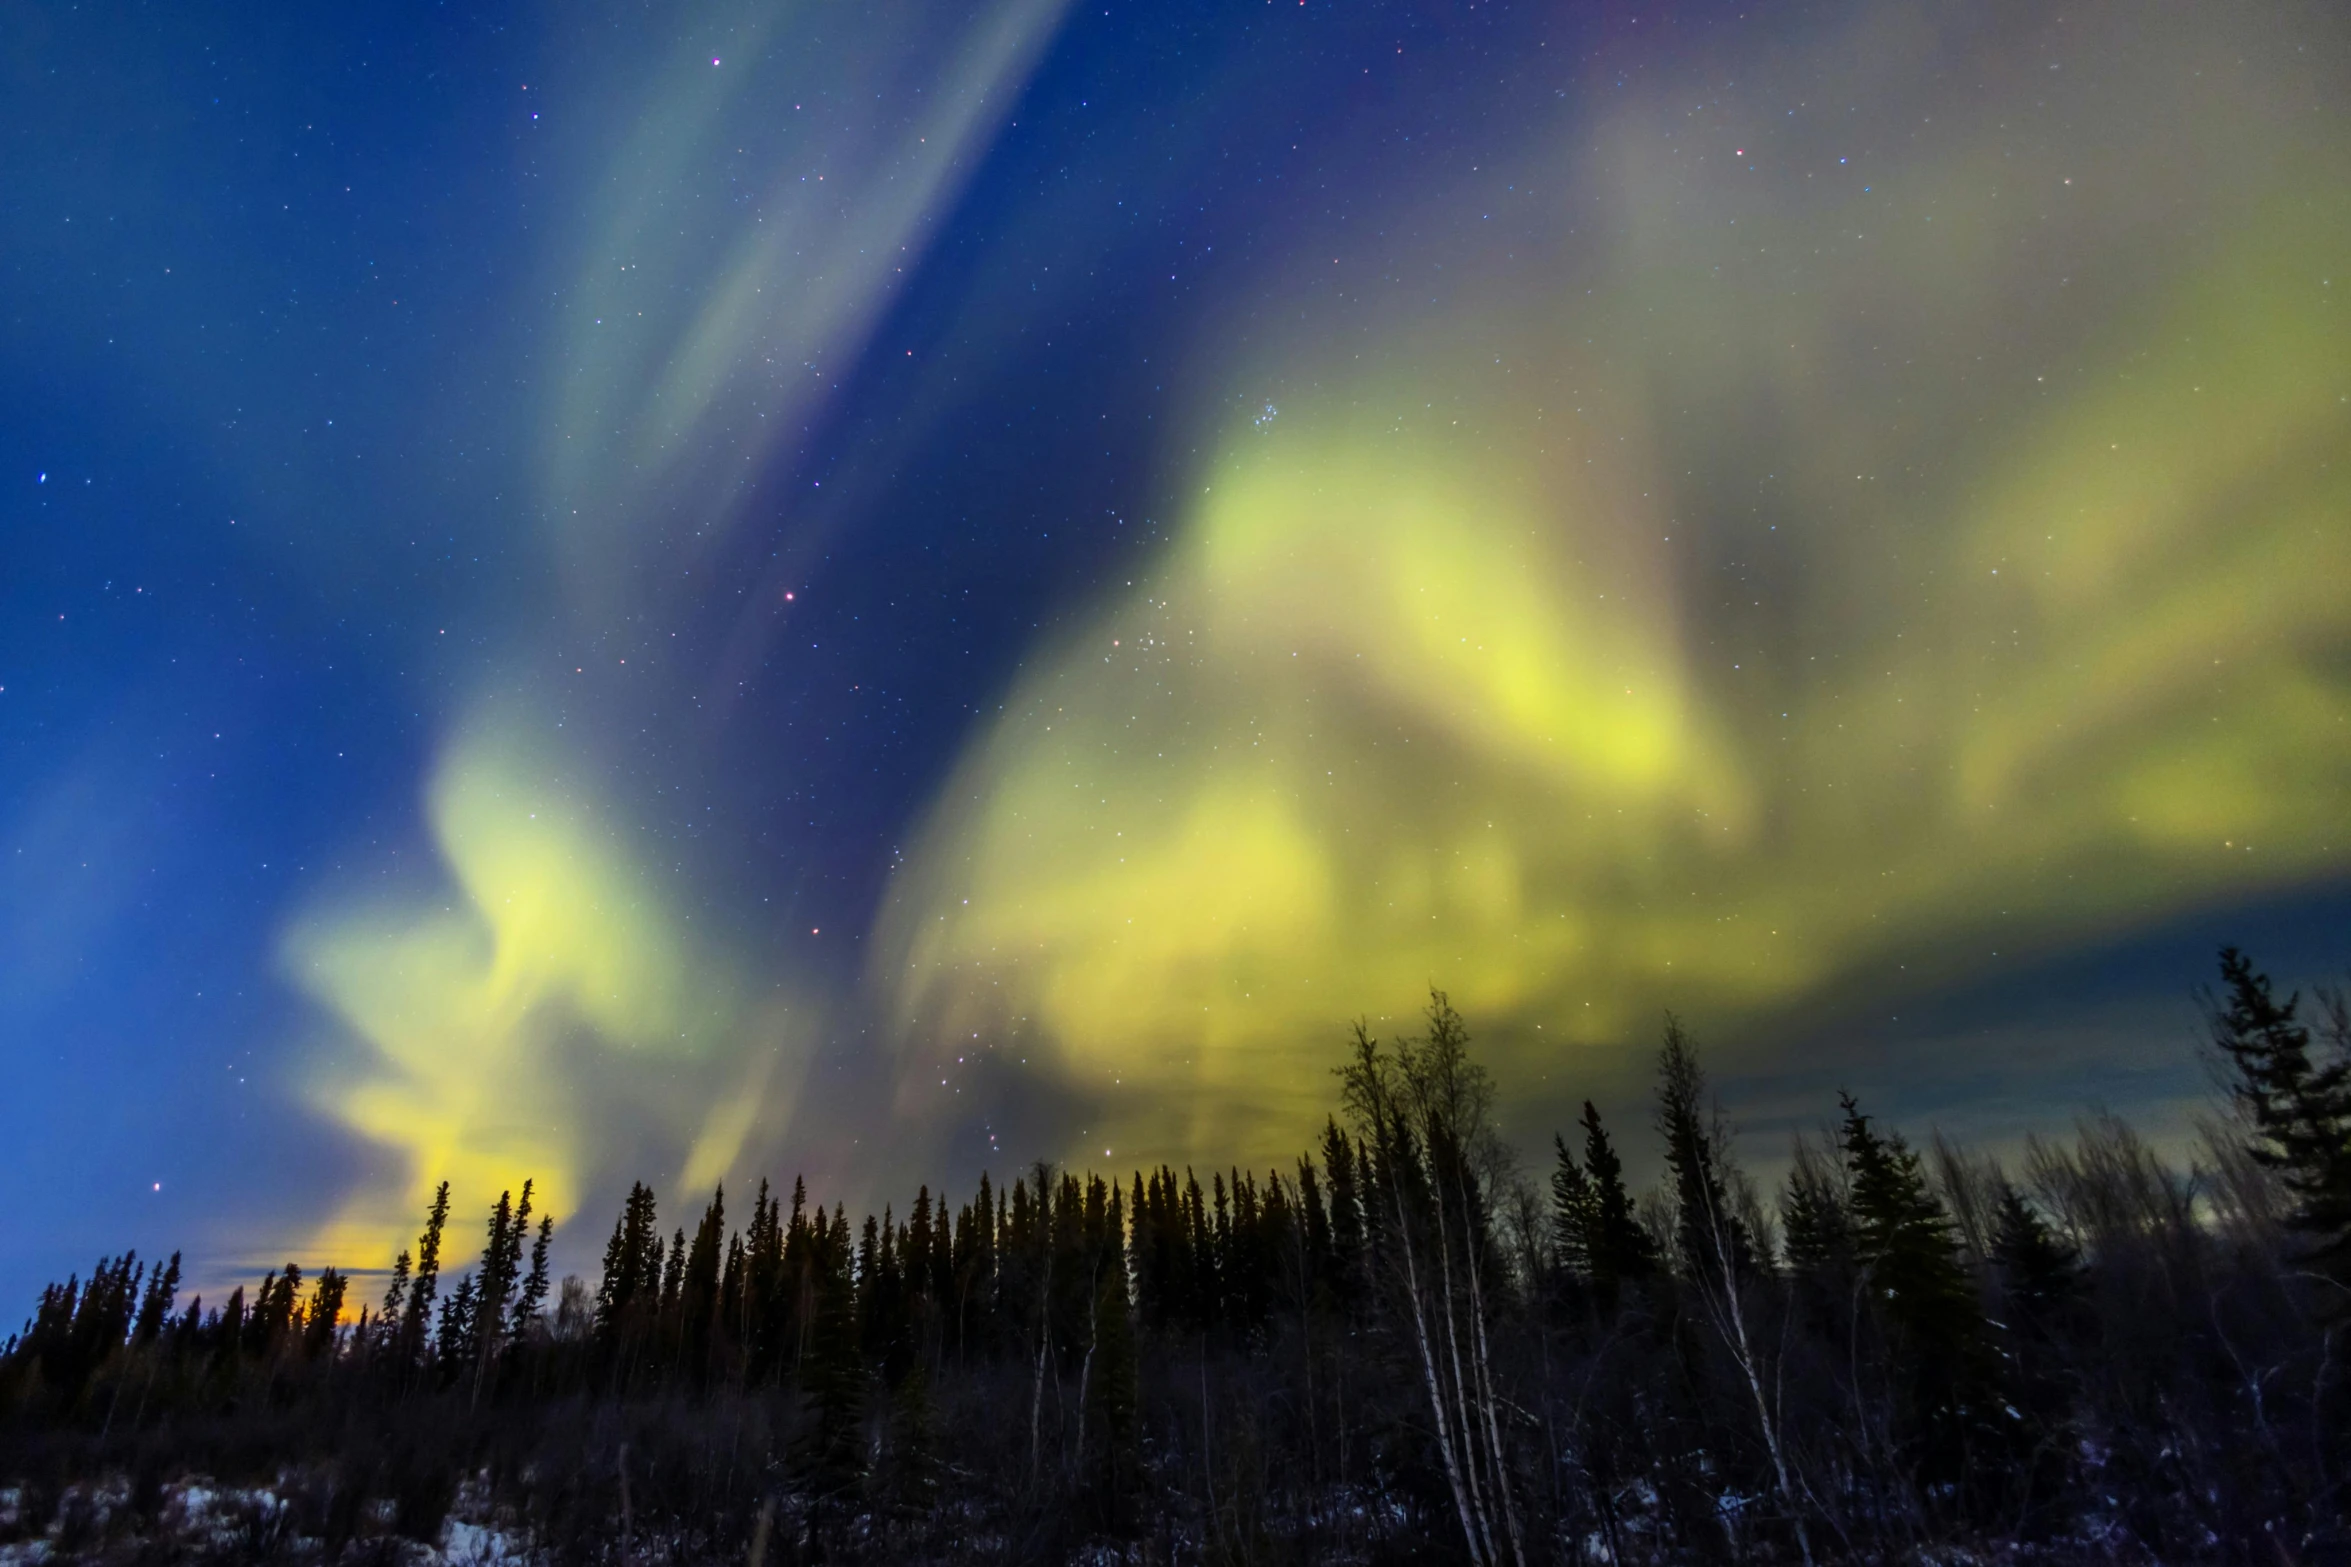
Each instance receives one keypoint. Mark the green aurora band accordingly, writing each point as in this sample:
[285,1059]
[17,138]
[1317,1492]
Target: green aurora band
[1857,503]
[1675,575]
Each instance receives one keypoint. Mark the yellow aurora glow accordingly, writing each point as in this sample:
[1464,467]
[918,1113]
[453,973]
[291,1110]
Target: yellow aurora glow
[1471,665]
[552,1017]
[1625,580]
[494,1017]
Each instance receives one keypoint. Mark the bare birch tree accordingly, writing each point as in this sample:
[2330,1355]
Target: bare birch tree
[1719,1250]
[1425,1112]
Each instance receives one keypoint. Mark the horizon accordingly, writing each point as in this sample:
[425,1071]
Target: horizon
[914,590]
[2183,1144]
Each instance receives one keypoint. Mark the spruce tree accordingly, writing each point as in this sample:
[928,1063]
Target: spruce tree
[916,1263]
[494,1286]
[1144,1247]
[758,1315]
[155,1303]
[1571,1215]
[270,1320]
[1919,1285]
[1617,1249]
[2040,1281]
[1115,1381]
[262,1315]
[1375,1213]
[453,1343]
[673,1278]
[908,1480]
[830,1459]
[1346,1206]
[48,1338]
[870,1322]
[1220,1273]
[2040,1276]
[534,1287]
[391,1319]
[1196,1256]
[326,1311]
[228,1331]
[425,1282]
[698,1299]
[1816,1221]
[2299,1113]
[632,1267]
[1320,1253]
[1707,1229]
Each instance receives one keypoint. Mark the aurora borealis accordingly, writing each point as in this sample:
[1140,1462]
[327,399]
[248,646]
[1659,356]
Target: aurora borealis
[880,590]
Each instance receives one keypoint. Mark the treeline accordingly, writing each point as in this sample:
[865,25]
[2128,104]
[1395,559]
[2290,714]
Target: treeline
[1398,1345]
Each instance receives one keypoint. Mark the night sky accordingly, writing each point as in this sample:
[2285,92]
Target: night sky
[694,592]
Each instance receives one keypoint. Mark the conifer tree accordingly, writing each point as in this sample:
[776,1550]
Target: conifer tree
[2039,1279]
[631,1282]
[1815,1220]
[425,1282]
[976,1267]
[908,1481]
[1707,1229]
[1572,1214]
[1114,1379]
[155,1303]
[1315,1239]
[189,1330]
[326,1312]
[831,1458]
[868,1284]
[2298,1110]
[254,1337]
[97,1323]
[1919,1284]
[79,1326]
[1718,1252]
[2040,1276]
[673,1278]
[758,1308]
[915,1265]
[48,1338]
[1194,1282]
[1617,1249]
[1217,1308]
[262,1315]
[271,1318]
[1142,1244]
[454,1343]
[228,1332]
[494,1287]
[941,1284]
[534,1287]
[391,1319]
[1346,1203]
[698,1297]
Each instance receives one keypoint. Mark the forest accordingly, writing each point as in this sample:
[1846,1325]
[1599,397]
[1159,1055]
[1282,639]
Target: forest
[1404,1345]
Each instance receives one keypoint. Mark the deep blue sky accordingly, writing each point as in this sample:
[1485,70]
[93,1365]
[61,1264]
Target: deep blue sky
[324,487]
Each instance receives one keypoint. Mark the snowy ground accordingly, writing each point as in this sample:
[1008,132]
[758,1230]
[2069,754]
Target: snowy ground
[198,1521]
